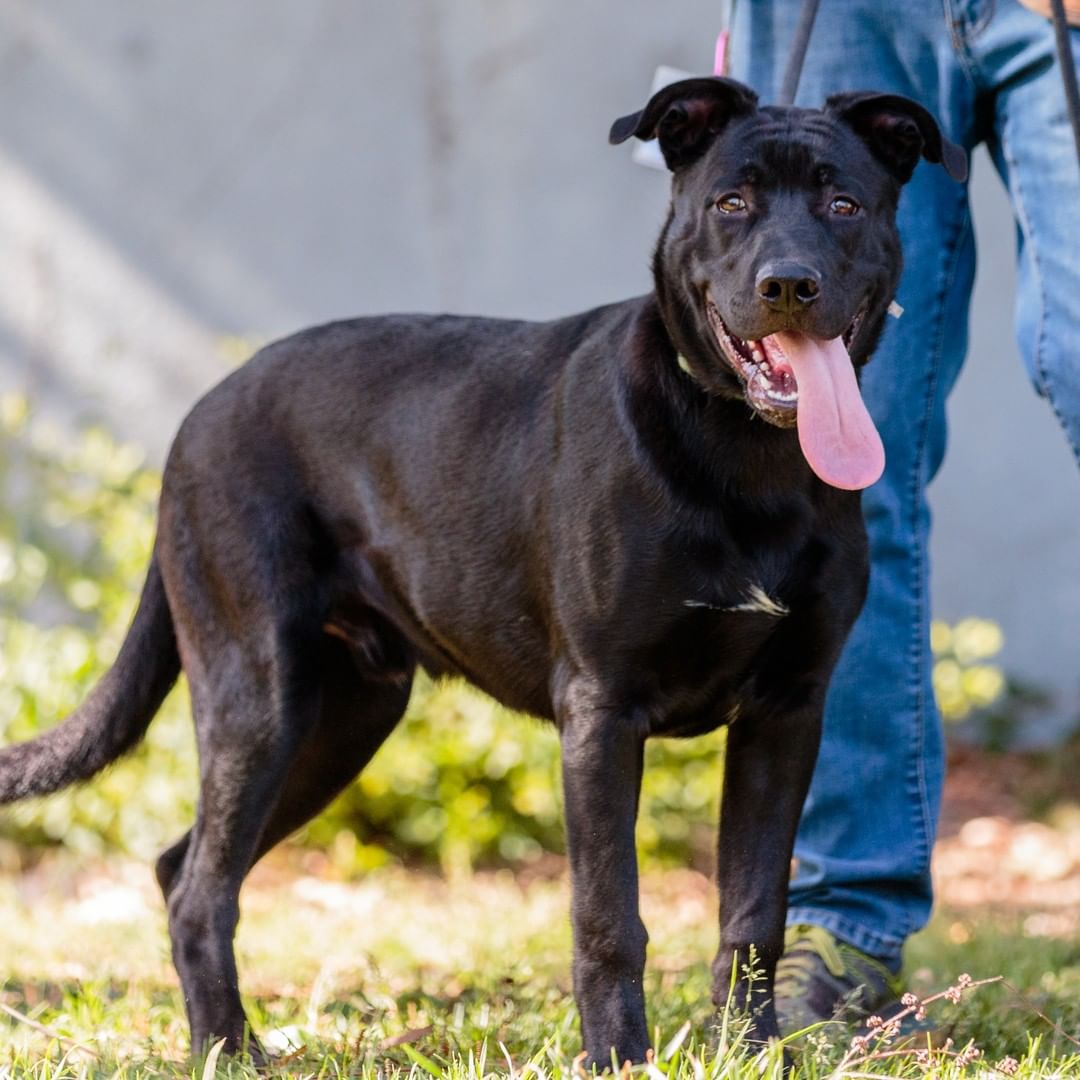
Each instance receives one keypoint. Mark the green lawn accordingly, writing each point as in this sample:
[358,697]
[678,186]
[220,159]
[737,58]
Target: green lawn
[405,973]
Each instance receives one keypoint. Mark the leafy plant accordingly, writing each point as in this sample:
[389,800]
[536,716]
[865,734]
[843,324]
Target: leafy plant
[964,681]
[76,527]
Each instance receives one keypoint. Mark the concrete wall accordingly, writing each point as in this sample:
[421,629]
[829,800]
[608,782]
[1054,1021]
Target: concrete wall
[171,174]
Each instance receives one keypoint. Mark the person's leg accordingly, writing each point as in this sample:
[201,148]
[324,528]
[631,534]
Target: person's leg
[1032,146]
[867,830]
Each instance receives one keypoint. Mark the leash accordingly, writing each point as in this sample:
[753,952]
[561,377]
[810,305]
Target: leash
[797,56]
[1068,69]
[808,13]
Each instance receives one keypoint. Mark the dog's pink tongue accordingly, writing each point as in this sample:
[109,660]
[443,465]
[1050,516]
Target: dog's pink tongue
[836,434]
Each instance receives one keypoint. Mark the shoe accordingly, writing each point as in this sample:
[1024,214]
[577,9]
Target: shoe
[820,979]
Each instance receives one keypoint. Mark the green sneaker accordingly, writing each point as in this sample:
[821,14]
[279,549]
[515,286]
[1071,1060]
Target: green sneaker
[820,978]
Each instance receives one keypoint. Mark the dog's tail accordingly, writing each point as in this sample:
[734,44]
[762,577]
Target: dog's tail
[113,718]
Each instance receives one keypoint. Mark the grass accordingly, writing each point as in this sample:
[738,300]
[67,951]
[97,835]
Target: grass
[408,975]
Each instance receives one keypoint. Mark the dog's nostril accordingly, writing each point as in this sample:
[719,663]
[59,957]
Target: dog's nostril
[788,287]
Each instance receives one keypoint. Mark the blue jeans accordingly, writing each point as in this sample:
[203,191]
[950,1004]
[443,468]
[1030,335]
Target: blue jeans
[985,69]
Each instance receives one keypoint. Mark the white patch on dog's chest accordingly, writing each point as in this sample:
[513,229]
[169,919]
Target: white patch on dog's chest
[757,602]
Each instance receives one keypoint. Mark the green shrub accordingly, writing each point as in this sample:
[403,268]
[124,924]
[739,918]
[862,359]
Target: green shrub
[964,682]
[76,527]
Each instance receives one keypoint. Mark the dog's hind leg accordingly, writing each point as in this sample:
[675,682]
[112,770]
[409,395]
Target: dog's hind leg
[273,754]
[248,602]
[356,714]
[248,727]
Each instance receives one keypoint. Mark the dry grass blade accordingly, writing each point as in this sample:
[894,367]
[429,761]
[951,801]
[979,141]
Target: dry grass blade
[1023,999]
[43,1030]
[210,1066]
[680,1037]
[410,1036]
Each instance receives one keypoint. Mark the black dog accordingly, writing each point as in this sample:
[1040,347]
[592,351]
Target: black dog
[609,521]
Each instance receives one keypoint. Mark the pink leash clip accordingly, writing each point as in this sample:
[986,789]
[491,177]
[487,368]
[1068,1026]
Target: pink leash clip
[720,61]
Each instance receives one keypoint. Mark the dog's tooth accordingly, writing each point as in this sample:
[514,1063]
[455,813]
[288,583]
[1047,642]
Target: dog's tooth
[780,395]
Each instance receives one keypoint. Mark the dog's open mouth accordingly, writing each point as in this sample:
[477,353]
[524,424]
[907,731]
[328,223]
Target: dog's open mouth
[793,379]
[764,368]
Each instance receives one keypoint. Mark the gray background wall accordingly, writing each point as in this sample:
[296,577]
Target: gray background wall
[171,174]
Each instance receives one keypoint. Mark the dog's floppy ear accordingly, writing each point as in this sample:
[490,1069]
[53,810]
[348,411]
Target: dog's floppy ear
[898,131]
[686,116]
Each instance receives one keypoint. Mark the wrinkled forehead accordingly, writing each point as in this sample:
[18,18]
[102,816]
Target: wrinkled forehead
[790,145]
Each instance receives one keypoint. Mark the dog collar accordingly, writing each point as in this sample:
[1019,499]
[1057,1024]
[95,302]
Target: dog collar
[685,365]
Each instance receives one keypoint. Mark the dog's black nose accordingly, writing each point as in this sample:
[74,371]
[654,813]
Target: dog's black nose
[788,286]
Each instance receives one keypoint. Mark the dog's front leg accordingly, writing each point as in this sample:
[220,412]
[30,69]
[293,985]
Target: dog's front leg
[768,764]
[601,761]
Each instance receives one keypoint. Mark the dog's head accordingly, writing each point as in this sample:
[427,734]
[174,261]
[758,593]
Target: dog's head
[780,255]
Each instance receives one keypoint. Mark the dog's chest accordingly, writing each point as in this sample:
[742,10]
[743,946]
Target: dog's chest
[724,619]
[721,620]
[755,573]
[751,598]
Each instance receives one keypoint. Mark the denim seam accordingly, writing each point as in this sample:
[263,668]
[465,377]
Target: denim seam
[1041,373]
[917,765]
[953,23]
[958,39]
[983,21]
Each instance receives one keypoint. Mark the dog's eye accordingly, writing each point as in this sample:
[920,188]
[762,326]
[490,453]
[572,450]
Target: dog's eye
[844,206]
[731,203]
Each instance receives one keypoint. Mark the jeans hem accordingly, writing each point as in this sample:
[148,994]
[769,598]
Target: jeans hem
[883,947]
